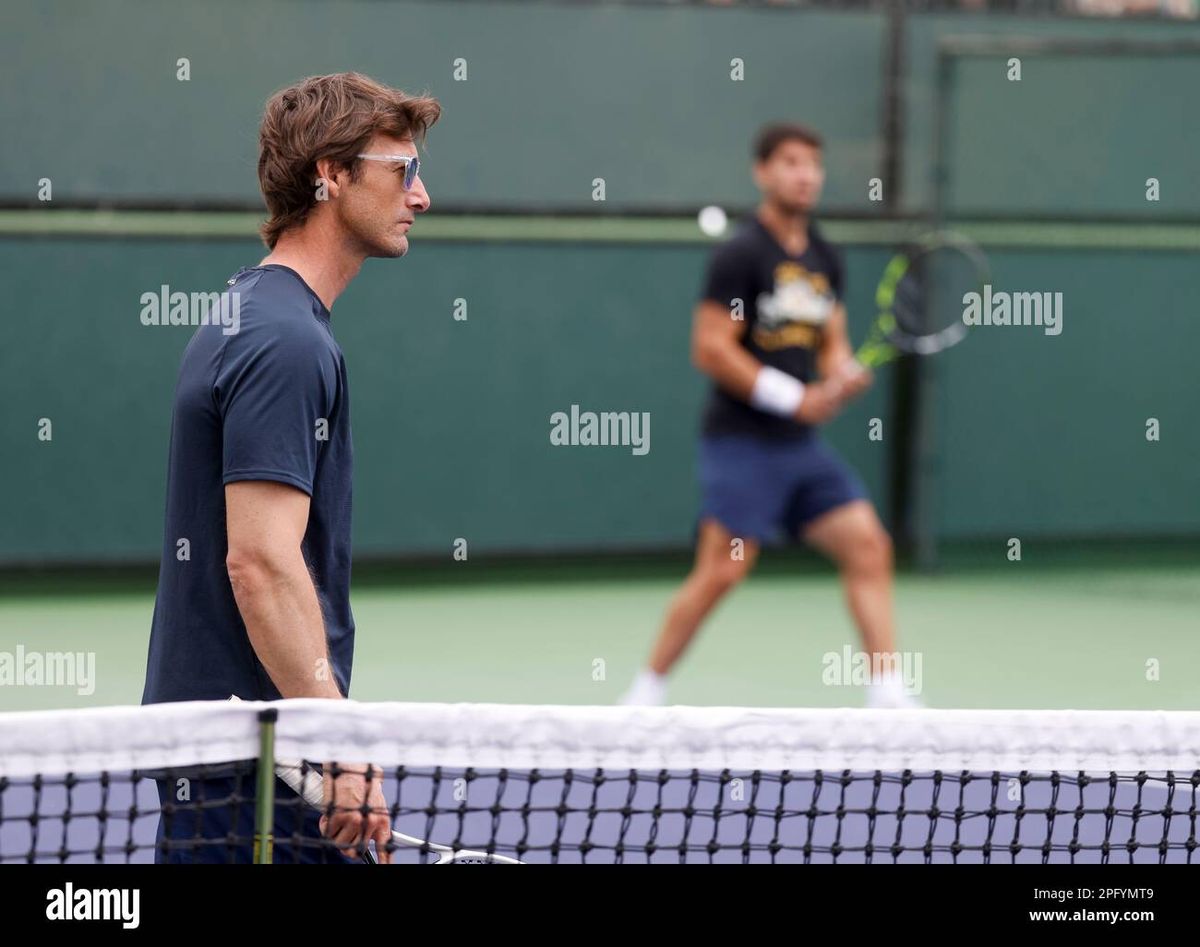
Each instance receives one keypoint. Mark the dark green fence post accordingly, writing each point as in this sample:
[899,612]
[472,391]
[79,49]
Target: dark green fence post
[265,808]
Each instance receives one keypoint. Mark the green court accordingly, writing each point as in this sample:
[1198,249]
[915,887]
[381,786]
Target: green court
[1012,636]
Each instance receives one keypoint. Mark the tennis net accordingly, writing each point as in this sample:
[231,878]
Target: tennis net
[540,784]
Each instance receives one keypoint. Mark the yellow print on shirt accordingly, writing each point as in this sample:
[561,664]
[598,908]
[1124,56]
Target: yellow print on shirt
[795,312]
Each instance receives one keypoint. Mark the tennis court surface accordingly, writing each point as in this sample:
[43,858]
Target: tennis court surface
[597,785]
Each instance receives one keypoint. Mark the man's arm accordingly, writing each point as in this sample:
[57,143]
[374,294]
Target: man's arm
[265,523]
[716,351]
[835,347]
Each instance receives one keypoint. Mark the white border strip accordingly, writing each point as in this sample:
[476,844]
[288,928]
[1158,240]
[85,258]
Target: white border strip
[617,738]
[518,736]
[119,739]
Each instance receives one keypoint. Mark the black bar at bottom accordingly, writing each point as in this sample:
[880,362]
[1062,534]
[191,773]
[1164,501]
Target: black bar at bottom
[490,901]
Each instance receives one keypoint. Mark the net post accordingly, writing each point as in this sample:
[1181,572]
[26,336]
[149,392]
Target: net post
[264,811]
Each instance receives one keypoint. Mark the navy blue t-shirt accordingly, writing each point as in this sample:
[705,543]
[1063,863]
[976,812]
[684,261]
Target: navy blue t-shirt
[786,301]
[267,402]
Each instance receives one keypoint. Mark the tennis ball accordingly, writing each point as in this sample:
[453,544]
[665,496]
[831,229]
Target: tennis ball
[712,221]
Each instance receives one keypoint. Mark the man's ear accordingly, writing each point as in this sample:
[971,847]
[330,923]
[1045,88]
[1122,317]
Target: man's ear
[328,171]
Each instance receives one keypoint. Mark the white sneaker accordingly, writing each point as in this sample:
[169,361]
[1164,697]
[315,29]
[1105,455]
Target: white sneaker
[889,693]
[647,690]
[881,701]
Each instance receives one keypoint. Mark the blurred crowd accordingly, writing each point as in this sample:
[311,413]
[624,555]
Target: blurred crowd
[1171,8]
[1180,9]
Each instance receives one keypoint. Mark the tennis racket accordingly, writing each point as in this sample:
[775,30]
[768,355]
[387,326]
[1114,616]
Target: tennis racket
[920,298]
[308,783]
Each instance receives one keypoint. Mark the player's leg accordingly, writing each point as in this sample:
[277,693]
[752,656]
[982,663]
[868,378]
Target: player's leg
[854,539]
[722,561]
[831,512]
[743,501]
[744,498]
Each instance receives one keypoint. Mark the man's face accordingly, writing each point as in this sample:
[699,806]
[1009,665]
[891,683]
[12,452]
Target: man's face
[792,176]
[376,211]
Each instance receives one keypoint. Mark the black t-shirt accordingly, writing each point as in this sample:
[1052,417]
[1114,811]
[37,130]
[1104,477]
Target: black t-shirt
[267,402]
[786,301]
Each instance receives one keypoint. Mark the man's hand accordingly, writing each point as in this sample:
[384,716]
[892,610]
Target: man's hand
[822,400]
[854,378]
[347,826]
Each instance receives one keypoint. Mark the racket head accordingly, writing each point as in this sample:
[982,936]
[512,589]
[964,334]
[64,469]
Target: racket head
[921,297]
[467,857]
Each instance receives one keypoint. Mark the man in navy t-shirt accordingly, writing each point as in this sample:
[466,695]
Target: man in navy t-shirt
[770,331]
[254,586]
[266,406]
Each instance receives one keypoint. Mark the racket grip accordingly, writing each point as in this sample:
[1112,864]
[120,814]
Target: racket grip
[310,787]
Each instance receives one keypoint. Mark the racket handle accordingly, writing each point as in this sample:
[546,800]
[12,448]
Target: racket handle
[309,787]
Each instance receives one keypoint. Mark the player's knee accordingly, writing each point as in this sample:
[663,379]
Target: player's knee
[723,575]
[870,553]
[875,551]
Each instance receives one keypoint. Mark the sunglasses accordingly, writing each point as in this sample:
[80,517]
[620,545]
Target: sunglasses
[412,165]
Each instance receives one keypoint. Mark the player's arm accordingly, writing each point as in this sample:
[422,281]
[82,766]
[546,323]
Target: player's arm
[836,361]
[718,353]
[835,349]
[265,523]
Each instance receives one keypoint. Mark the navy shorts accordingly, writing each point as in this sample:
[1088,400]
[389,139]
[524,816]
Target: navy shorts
[765,489]
[214,823]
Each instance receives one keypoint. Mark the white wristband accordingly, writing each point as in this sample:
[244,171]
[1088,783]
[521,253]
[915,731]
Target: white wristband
[777,392]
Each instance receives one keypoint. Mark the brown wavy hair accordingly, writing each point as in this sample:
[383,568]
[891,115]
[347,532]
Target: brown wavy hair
[327,117]
[771,136]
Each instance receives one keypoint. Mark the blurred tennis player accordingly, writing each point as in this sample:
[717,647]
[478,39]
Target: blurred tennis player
[770,331]
[259,477]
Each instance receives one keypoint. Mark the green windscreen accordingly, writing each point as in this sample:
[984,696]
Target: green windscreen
[452,417]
